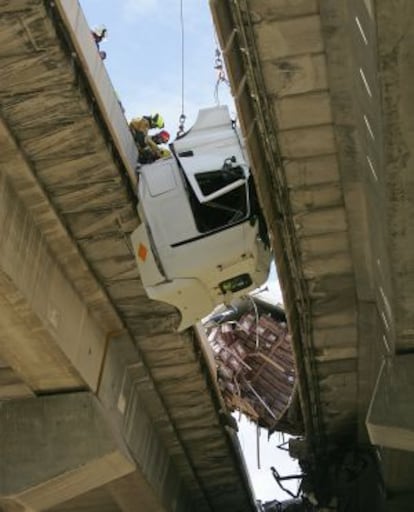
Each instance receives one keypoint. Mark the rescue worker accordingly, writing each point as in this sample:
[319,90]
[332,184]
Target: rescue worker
[140,127]
[99,34]
[147,155]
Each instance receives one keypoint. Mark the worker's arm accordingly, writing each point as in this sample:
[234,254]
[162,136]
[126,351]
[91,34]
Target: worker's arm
[154,148]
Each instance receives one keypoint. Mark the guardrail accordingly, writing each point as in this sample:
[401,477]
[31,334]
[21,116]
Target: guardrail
[100,83]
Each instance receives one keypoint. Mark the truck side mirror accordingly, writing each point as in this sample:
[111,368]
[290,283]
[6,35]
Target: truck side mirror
[228,163]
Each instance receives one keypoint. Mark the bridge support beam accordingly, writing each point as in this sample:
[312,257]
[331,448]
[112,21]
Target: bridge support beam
[47,333]
[57,447]
[390,420]
[54,448]
[126,392]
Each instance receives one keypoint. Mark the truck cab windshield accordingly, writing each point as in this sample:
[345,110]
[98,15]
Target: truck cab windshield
[224,210]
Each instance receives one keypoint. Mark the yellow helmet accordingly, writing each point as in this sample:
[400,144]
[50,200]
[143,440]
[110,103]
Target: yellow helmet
[157,121]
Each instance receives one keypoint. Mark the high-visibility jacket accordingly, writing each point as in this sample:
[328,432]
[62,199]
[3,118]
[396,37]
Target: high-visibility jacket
[141,126]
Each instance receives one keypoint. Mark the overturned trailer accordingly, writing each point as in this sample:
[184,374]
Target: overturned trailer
[255,365]
[202,240]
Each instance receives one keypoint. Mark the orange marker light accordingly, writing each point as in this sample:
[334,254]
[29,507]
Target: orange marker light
[142,252]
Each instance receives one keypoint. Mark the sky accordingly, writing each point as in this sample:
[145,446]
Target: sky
[144,50]
[144,55]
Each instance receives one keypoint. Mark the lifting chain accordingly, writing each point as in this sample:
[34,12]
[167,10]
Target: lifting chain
[221,74]
[181,122]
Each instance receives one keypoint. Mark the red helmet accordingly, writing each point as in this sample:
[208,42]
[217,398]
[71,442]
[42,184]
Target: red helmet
[164,136]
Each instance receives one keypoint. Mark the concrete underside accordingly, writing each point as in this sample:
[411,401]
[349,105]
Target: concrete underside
[74,314]
[324,95]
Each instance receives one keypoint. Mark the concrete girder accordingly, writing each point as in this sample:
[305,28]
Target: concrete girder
[47,333]
[148,479]
[126,393]
[54,149]
[54,448]
[390,419]
[280,47]
[395,34]
[360,53]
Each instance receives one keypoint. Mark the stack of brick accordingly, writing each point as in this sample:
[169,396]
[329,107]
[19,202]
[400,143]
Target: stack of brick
[255,366]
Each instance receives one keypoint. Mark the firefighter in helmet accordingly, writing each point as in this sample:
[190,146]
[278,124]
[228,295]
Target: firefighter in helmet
[148,154]
[140,127]
[161,137]
[100,34]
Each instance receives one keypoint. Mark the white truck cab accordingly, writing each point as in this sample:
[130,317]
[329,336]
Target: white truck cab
[198,244]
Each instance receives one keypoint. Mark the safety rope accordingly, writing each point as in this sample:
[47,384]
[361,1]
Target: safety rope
[182,118]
